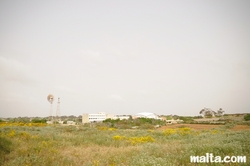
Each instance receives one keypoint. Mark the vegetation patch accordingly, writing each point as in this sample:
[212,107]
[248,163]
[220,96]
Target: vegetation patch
[5,148]
[247,117]
[105,145]
[134,140]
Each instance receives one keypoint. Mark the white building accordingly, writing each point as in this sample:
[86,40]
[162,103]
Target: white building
[69,122]
[87,118]
[101,116]
[121,117]
[146,115]
[110,116]
[172,121]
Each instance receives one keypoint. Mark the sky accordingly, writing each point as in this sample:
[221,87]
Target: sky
[124,57]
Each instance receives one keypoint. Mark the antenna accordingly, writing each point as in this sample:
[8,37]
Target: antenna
[50,98]
[58,118]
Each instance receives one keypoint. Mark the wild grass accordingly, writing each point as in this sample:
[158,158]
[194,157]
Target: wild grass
[102,146]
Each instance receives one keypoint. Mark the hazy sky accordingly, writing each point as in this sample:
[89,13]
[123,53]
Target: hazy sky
[124,57]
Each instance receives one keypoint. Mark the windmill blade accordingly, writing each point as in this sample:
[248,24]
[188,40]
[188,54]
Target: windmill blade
[50,98]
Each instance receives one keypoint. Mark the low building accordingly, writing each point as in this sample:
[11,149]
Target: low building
[49,122]
[172,121]
[69,122]
[146,115]
[121,117]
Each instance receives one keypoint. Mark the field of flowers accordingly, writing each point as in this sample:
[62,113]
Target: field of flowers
[40,144]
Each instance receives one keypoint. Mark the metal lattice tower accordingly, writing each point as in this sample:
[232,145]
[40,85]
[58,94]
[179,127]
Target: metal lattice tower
[58,118]
[50,99]
[51,112]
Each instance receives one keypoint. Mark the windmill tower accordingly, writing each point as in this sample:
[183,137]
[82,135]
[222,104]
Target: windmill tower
[58,118]
[50,98]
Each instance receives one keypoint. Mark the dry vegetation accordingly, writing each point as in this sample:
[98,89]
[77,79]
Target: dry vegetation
[39,144]
[205,126]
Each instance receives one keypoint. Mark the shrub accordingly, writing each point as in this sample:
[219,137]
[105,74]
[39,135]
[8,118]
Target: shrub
[39,121]
[229,125]
[168,132]
[111,120]
[247,117]
[134,140]
[123,126]
[186,119]
[118,137]
[180,131]
[5,147]
[147,126]
[184,131]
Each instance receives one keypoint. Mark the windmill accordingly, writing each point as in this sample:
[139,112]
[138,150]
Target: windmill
[50,98]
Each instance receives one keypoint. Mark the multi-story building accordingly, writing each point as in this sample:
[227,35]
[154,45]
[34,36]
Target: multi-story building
[101,116]
[87,118]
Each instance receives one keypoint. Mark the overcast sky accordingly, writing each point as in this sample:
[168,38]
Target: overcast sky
[124,57]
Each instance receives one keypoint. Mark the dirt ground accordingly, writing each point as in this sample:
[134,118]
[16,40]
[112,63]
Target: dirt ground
[241,127]
[204,126]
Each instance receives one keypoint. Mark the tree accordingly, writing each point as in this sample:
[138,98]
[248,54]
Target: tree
[207,112]
[220,112]
[202,112]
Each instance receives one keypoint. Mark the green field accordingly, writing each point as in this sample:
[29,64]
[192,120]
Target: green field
[30,144]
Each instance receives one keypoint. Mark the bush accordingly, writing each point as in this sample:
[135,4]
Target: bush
[229,125]
[186,119]
[5,147]
[39,121]
[147,126]
[109,120]
[123,126]
[247,117]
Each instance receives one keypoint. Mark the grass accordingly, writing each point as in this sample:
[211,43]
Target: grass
[28,144]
